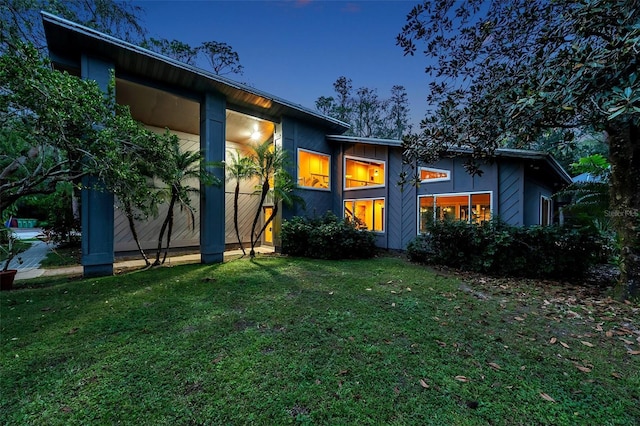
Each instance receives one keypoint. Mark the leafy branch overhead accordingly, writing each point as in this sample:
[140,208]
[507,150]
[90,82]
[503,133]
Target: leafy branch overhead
[510,73]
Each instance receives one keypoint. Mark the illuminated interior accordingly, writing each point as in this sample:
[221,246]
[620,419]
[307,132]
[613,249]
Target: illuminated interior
[474,208]
[313,169]
[368,214]
[361,173]
[433,175]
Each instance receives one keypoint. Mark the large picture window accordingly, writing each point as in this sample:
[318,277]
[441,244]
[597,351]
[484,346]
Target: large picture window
[474,208]
[313,169]
[363,173]
[367,213]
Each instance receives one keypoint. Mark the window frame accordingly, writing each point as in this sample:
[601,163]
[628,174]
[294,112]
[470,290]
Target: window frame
[312,188]
[549,200]
[367,160]
[432,169]
[373,200]
[452,194]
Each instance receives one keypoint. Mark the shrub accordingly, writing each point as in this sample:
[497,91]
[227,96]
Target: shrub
[326,237]
[497,248]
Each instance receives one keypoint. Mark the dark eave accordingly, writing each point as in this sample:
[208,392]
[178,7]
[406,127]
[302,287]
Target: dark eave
[368,141]
[536,156]
[67,41]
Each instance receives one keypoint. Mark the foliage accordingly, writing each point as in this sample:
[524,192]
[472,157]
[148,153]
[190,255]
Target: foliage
[589,198]
[326,237]
[58,128]
[509,72]
[497,248]
[10,246]
[180,169]
[239,168]
[283,340]
[368,115]
[62,227]
[220,57]
[20,19]
[274,181]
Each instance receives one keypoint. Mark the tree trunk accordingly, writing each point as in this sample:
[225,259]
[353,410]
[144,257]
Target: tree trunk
[263,196]
[169,231]
[162,230]
[624,153]
[236,196]
[134,233]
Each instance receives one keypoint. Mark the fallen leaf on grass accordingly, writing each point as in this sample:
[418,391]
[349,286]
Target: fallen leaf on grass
[564,345]
[583,369]
[609,333]
[553,340]
[633,352]
[547,397]
[424,384]
[462,379]
[628,342]
[494,366]
[616,375]
[519,319]
[587,343]
[443,344]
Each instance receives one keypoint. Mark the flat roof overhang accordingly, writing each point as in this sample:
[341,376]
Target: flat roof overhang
[67,41]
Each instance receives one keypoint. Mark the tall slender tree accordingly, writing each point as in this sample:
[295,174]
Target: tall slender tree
[239,168]
[269,162]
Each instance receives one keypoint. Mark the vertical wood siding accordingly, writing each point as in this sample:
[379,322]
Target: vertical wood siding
[511,190]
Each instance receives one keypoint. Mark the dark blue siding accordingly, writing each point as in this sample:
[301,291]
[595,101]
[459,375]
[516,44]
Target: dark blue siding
[511,184]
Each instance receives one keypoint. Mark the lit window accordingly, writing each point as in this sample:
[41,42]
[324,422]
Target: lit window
[313,169]
[367,213]
[363,173]
[434,175]
[474,208]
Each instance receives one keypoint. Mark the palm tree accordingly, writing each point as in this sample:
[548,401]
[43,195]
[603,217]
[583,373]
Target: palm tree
[269,161]
[182,166]
[239,168]
[282,192]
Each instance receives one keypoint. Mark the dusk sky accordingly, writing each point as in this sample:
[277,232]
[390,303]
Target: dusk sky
[297,49]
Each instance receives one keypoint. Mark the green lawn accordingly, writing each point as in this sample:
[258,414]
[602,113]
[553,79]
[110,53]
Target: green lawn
[284,341]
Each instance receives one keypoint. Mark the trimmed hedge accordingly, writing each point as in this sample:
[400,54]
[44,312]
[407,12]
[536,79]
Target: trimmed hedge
[500,249]
[326,237]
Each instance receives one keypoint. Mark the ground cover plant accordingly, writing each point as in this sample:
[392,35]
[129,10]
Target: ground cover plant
[281,340]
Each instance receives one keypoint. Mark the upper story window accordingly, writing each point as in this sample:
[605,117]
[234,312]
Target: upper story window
[363,173]
[428,174]
[313,169]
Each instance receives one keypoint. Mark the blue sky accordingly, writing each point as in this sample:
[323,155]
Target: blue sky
[296,49]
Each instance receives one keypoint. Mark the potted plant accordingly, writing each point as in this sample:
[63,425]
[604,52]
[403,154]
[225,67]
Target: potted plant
[10,249]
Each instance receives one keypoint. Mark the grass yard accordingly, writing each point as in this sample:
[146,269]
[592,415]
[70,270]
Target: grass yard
[285,341]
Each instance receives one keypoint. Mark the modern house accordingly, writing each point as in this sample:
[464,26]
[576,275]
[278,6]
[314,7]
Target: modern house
[350,176]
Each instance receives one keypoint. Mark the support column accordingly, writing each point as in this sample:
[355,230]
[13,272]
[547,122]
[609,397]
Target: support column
[97,205]
[212,208]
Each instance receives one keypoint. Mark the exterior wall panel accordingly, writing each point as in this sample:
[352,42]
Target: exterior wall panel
[511,188]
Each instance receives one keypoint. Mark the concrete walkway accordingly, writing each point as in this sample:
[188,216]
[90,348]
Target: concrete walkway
[33,256]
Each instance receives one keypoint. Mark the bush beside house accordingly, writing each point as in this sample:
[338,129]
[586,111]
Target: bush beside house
[326,237]
[500,249]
